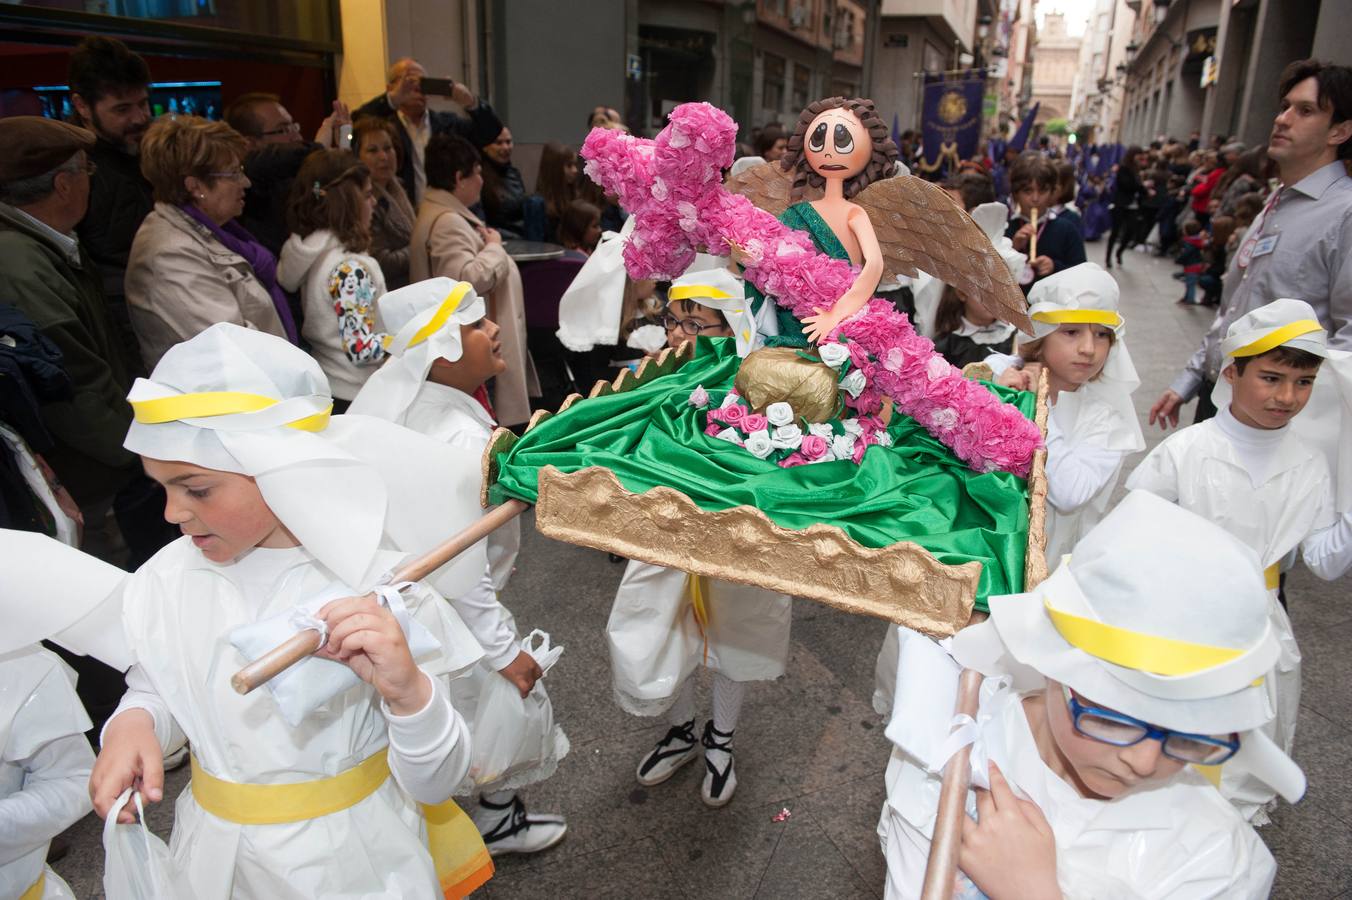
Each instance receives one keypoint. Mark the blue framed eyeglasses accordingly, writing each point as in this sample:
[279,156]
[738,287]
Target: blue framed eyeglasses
[1111,727]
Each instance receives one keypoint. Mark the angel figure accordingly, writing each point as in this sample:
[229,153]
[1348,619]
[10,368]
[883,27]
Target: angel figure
[836,182]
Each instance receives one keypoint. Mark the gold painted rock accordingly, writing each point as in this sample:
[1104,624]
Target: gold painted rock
[788,375]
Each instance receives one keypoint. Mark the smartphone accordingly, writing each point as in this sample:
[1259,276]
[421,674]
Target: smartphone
[345,137]
[440,86]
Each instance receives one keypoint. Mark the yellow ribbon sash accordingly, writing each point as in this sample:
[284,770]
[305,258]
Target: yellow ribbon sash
[1278,336]
[1272,577]
[36,889]
[443,313]
[209,404]
[462,861]
[1079,317]
[697,587]
[1134,650]
[690,291]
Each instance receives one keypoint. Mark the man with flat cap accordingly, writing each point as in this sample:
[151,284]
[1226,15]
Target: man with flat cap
[50,277]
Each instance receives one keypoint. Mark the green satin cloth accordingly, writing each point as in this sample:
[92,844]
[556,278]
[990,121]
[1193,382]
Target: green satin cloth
[915,490]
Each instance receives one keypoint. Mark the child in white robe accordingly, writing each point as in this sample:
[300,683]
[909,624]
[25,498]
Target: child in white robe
[1078,337]
[1140,655]
[1092,427]
[443,349]
[280,504]
[48,590]
[665,623]
[1252,471]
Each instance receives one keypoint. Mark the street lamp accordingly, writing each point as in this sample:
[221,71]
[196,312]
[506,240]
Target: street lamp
[983,27]
[1132,49]
[1161,11]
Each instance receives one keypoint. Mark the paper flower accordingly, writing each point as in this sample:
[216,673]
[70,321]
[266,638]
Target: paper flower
[852,426]
[734,413]
[788,437]
[659,180]
[730,435]
[648,338]
[758,443]
[842,446]
[833,354]
[754,422]
[854,383]
[729,400]
[699,397]
[821,430]
[779,413]
[813,447]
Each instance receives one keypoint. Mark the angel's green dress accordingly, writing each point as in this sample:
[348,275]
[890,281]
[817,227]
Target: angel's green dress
[915,490]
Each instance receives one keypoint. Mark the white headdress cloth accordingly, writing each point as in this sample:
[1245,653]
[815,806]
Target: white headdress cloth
[1088,287]
[1326,420]
[590,310]
[51,591]
[392,388]
[341,490]
[707,276]
[1150,568]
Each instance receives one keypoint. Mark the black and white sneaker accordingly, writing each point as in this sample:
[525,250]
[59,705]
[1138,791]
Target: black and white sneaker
[720,781]
[508,828]
[672,752]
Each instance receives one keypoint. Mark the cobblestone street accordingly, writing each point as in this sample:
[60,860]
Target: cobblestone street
[812,744]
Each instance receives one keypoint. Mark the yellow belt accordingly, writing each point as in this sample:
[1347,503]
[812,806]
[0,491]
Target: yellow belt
[462,861]
[35,891]
[1272,575]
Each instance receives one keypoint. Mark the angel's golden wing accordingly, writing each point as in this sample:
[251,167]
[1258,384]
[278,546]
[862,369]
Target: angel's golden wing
[767,186]
[921,228]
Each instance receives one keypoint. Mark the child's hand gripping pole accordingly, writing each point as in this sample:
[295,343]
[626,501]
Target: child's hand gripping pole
[303,643]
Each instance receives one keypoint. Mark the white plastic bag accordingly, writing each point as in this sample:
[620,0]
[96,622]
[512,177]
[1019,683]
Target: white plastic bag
[308,685]
[512,736]
[138,865]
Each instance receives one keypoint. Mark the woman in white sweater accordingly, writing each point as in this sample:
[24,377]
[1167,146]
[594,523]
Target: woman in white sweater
[327,259]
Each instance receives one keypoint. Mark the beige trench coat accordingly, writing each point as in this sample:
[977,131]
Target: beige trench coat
[446,241]
[181,280]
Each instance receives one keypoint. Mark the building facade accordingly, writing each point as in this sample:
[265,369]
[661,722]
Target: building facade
[1056,57]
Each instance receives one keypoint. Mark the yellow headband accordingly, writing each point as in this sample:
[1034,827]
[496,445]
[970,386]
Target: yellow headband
[1133,650]
[216,403]
[1278,336]
[689,291]
[444,312]
[1079,317]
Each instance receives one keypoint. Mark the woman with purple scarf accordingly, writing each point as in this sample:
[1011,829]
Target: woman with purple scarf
[192,265]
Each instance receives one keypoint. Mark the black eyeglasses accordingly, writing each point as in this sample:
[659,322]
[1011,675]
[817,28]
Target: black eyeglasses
[687,326]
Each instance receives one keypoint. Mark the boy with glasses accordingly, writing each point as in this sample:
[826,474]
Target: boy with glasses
[1104,688]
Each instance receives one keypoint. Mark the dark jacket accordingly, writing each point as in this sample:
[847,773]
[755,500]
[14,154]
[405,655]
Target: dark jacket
[119,198]
[65,300]
[1128,191]
[480,129]
[1060,240]
[504,198]
[271,169]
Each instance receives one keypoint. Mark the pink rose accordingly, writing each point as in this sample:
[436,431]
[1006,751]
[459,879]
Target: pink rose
[716,415]
[859,448]
[793,459]
[813,447]
[754,422]
[734,414]
[712,430]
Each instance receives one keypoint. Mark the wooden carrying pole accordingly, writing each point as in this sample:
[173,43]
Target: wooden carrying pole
[942,865]
[303,643]
[1032,240]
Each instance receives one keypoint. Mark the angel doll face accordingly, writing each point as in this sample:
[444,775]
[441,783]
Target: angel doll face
[837,145]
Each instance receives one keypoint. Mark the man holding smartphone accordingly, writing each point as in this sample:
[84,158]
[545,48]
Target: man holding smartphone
[405,101]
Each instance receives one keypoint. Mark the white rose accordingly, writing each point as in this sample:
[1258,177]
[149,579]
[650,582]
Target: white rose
[779,413]
[833,354]
[730,435]
[729,400]
[843,446]
[854,383]
[787,437]
[822,430]
[758,444]
[648,338]
[852,426]
[883,438]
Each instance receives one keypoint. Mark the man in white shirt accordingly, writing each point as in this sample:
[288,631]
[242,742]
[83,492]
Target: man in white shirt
[1297,246]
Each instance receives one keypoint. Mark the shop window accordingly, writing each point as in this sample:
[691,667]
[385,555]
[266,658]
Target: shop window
[772,96]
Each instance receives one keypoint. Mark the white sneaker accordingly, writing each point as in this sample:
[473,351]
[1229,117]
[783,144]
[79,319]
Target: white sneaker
[672,752]
[508,828]
[720,779]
